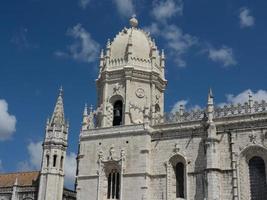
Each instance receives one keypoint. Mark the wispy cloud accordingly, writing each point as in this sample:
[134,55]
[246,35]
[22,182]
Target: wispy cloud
[125,7]
[1,166]
[21,39]
[163,10]
[7,121]
[178,42]
[84,3]
[246,19]
[222,55]
[84,48]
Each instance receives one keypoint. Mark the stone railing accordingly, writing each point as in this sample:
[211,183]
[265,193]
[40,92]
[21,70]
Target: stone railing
[219,112]
[240,109]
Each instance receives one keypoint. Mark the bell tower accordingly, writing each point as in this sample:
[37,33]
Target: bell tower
[54,154]
[131,78]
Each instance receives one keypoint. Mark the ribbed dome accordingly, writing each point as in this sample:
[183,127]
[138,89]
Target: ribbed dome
[132,47]
[141,44]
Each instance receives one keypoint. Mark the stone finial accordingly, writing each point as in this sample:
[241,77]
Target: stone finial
[250,100]
[16,182]
[85,111]
[210,106]
[181,110]
[91,121]
[85,122]
[58,114]
[133,21]
[101,64]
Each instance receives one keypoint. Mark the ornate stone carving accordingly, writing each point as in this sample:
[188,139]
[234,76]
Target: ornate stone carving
[252,138]
[140,92]
[116,88]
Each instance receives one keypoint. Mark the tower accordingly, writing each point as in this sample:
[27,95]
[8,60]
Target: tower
[131,77]
[54,154]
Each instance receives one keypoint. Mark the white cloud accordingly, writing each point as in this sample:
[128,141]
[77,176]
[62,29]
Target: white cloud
[83,49]
[177,105]
[178,43]
[153,29]
[35,157]
[246,19]
[244,96]
[125,7]
[163,10]
[222,55]
[84,3]
[7,121]
[184,103]
[35,151]
[70,169]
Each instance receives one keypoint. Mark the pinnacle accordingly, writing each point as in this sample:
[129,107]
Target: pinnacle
[58,114]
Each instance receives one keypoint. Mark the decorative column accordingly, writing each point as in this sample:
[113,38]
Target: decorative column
[234,167]
[212,155]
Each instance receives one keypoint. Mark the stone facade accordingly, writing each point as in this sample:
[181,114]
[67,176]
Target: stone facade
[130,150]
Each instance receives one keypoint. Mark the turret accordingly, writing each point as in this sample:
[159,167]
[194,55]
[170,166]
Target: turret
[134,72]
[54,154]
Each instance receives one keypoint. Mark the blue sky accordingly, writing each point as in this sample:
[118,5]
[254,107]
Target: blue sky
[46,44]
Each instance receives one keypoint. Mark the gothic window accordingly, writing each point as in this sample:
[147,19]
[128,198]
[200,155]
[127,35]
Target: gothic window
[54,160]
[257,175]
[47,160]
[117,113]
[113,185]
[179,175]
[61,162]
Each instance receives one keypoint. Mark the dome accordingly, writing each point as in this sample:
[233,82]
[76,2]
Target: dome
[141,46]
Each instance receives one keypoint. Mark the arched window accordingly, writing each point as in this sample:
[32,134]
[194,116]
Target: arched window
[54,160]
[257,175]
[113,185]
[47,160]
[179,175]
[61,162]
[157,108]
[117,113]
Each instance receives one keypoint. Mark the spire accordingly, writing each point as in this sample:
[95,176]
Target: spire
[154,51]
[210,106]
[101,65]
[58,114]
[85,118]
[108,51]
[91,118]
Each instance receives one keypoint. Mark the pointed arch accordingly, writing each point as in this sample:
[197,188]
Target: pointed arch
[176,177]
[252,162]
